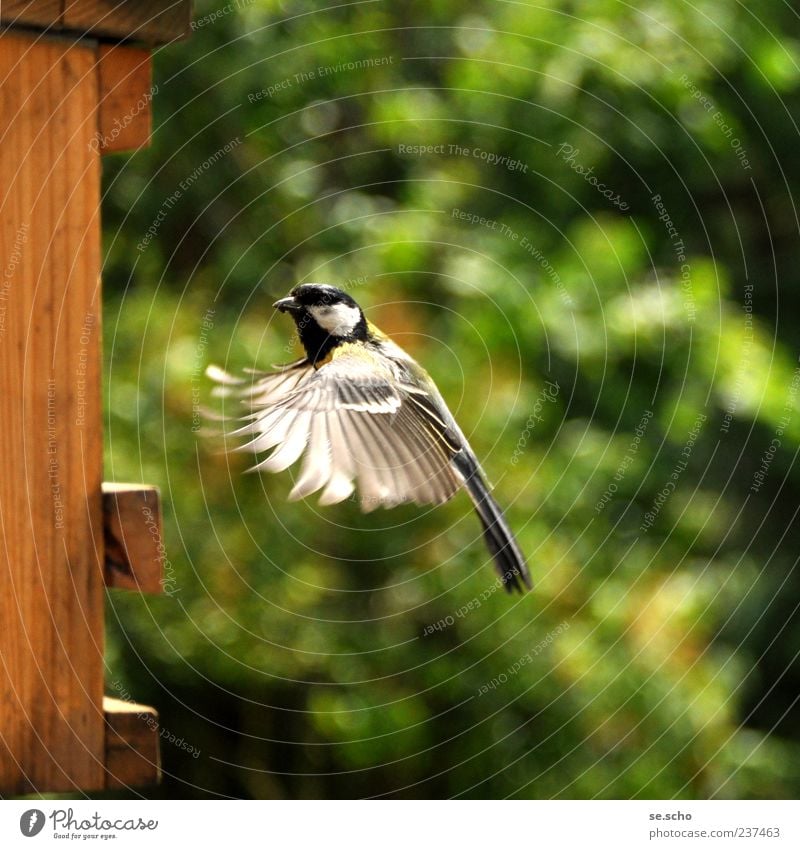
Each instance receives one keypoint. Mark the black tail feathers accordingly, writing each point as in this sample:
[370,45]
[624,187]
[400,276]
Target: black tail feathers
[500,540]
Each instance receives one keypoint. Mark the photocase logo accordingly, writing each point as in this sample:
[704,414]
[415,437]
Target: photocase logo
[31,822]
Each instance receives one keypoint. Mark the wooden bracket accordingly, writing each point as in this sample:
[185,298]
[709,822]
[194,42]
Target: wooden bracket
[133,544]
[134,556]
[134,551]
[125,93]
[132,752]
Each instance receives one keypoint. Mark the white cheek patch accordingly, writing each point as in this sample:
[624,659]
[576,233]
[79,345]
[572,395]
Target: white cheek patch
[338,319]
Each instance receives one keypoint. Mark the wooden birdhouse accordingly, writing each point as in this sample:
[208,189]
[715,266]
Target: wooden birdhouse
[75,84]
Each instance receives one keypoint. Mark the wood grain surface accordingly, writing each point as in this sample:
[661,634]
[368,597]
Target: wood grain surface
[51,529]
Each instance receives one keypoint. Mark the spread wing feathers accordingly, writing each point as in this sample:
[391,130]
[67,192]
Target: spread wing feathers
[355,421]
[258,386]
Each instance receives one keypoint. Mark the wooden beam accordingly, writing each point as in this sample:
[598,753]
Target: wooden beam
[126,92]
[133,543]
[34,13]
[51,442]
[148,21]
[132,751]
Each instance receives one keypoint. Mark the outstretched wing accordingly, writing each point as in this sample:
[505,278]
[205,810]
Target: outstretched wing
[257,386]
[355,420]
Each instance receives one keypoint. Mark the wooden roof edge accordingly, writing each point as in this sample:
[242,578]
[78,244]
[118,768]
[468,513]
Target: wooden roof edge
[150,22]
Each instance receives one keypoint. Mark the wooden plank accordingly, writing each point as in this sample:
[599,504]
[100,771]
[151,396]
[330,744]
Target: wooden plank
[149,21]
[132,527]
[126,92]
[51,537]
[132,751]
[36,13]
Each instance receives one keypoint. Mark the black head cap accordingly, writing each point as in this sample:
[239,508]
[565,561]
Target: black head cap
[321,294]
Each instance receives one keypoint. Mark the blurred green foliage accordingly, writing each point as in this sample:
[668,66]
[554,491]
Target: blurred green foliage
[294,648]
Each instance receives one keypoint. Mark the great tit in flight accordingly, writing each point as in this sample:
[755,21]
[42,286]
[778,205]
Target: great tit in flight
[364,412]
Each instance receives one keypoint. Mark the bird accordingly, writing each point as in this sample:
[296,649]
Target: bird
[362,412]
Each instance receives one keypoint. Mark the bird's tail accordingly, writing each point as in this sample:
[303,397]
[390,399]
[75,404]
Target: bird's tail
[500,540]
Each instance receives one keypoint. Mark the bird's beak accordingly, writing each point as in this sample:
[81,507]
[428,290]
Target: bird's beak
[287,305]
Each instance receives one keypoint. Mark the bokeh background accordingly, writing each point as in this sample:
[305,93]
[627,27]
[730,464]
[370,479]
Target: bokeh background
[595,256]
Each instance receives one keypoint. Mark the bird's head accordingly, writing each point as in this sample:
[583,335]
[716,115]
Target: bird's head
[325,317]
